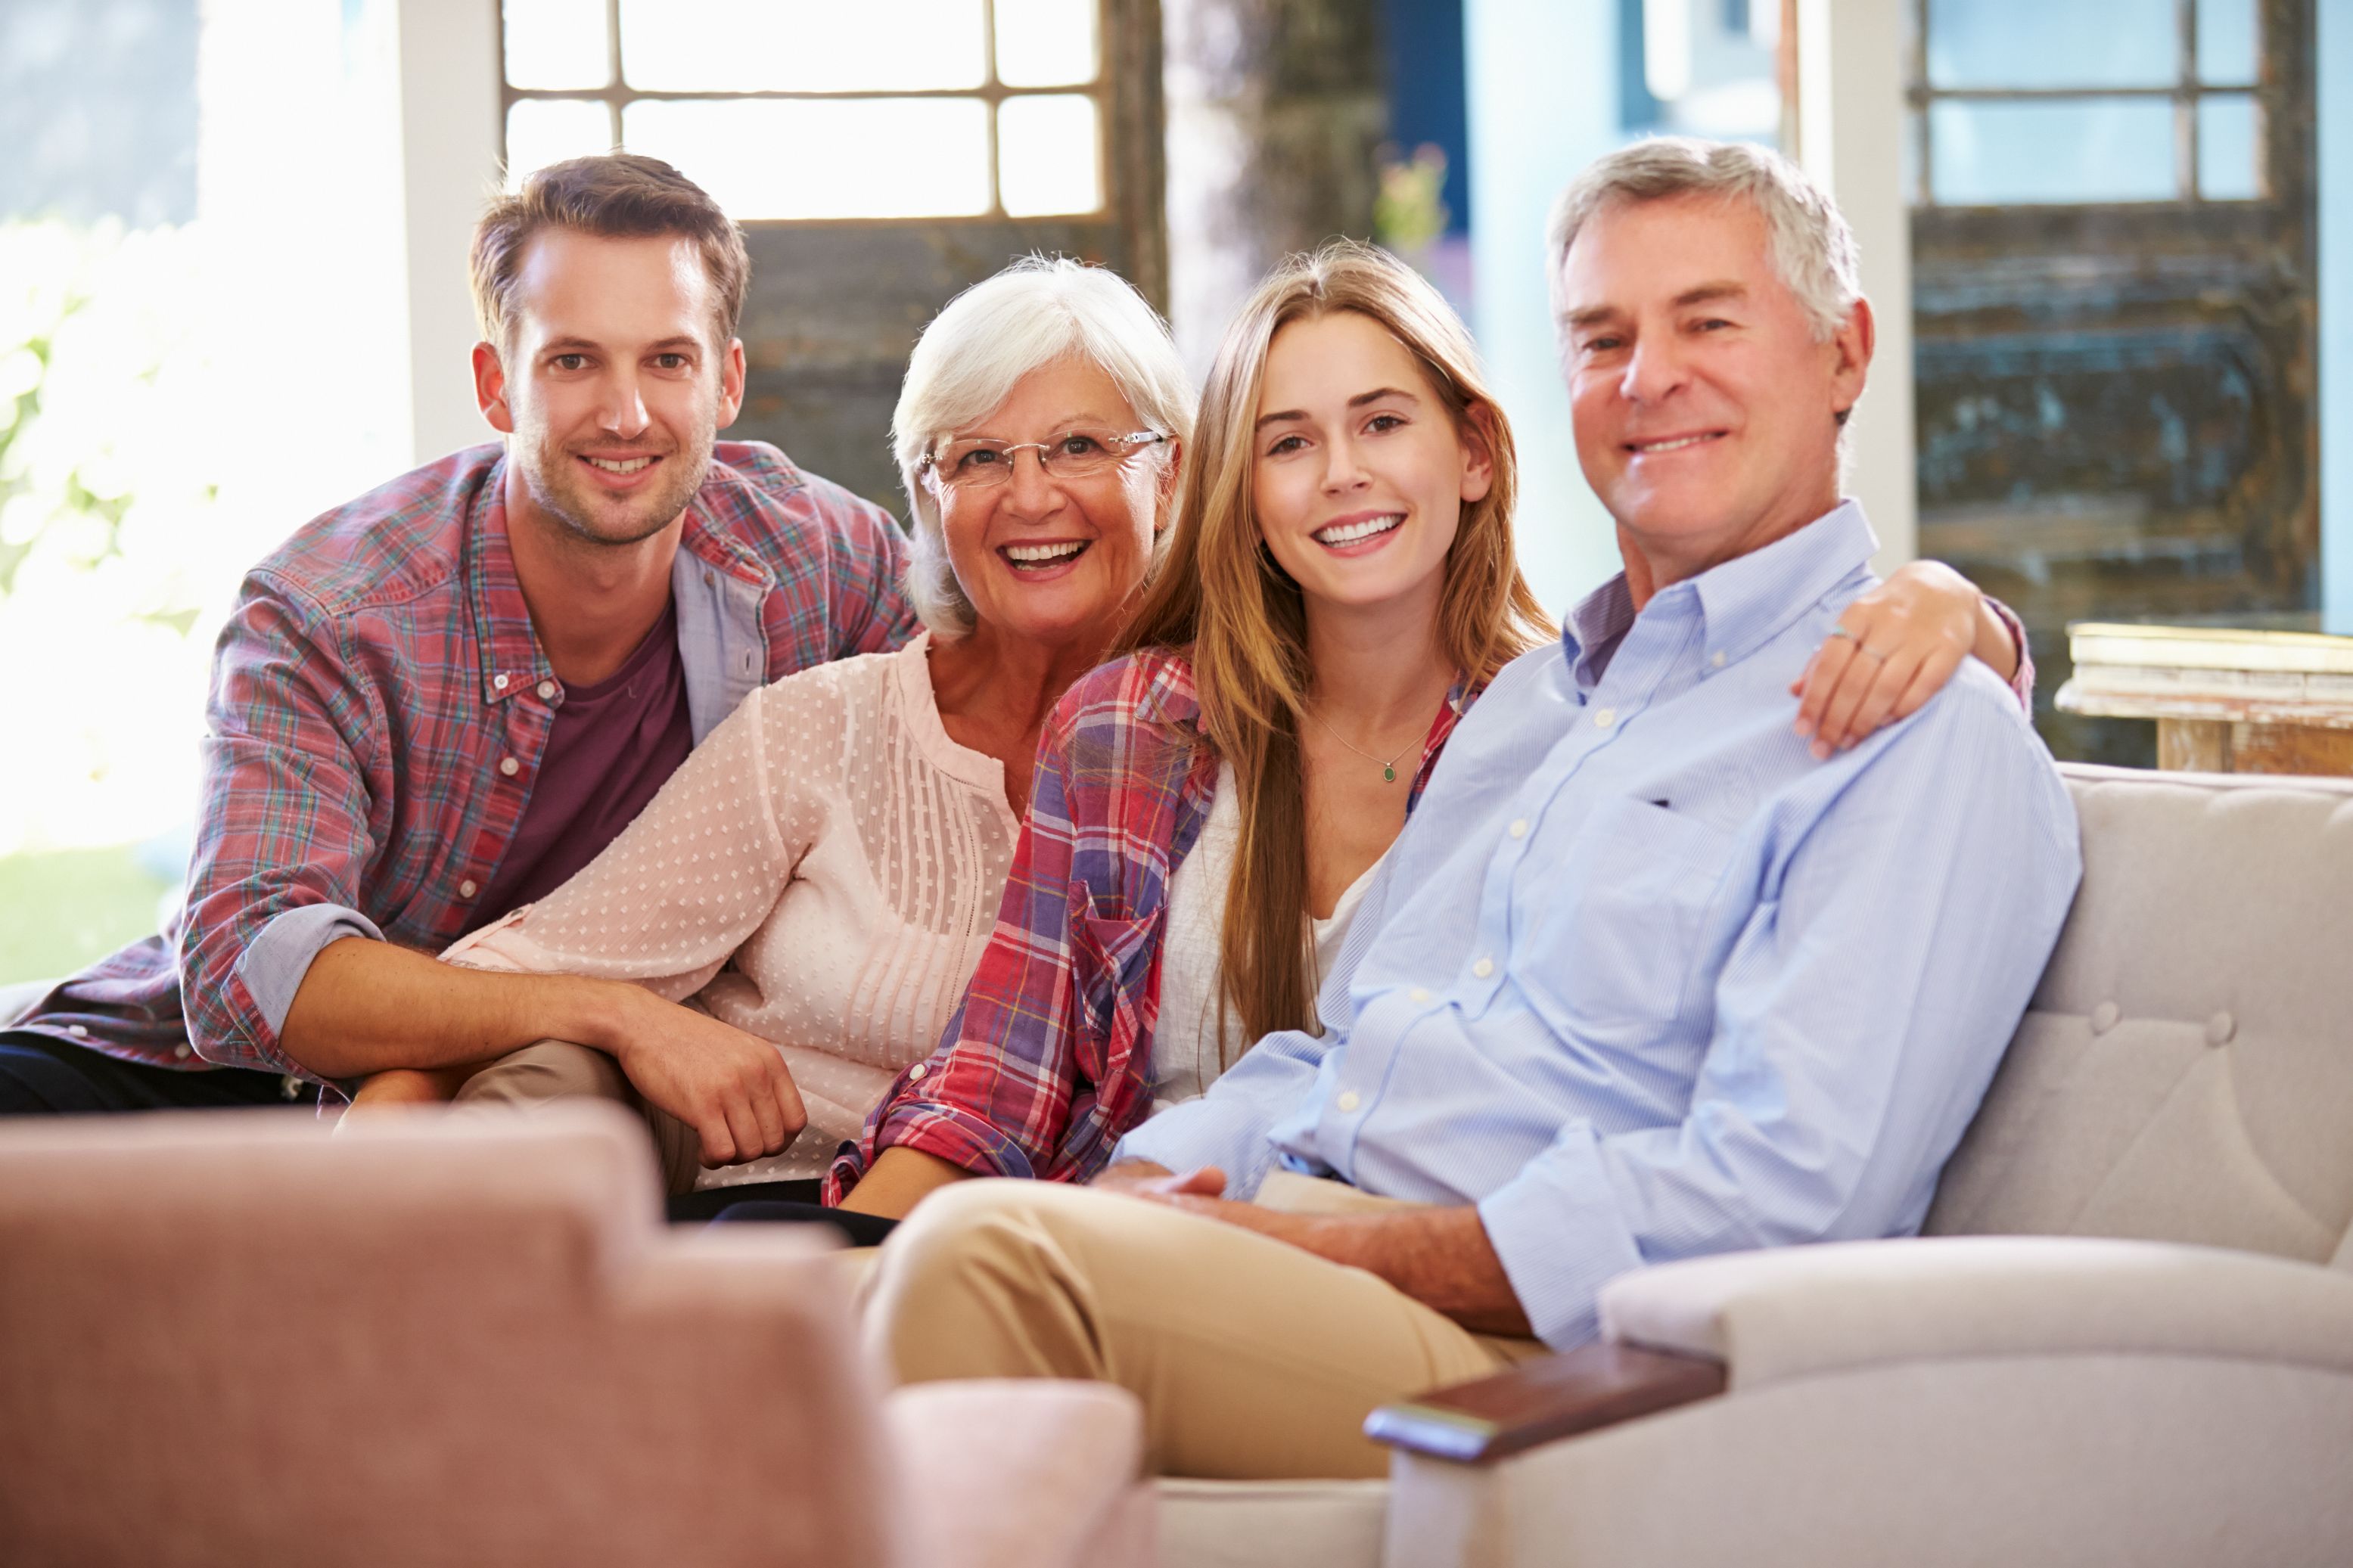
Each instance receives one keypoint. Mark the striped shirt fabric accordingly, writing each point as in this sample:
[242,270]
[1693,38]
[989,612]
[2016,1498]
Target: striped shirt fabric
[379,706]
[1643,980]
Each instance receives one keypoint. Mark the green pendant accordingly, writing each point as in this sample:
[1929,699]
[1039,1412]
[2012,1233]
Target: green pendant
[1389,774]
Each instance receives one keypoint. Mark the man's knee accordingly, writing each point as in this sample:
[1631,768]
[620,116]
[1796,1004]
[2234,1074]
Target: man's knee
[972,1280]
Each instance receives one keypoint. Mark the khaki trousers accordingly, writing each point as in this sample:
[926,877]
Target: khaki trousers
[557,1069]
[1253,1358]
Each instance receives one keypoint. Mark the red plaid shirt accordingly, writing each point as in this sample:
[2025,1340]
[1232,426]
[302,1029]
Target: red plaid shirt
[1048,1061]
[377,680]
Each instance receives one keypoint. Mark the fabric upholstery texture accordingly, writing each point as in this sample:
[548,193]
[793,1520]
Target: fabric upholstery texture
[2185,1072]
[228,1338]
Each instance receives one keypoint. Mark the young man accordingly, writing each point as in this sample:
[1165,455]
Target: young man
[439,701]
[1642,978]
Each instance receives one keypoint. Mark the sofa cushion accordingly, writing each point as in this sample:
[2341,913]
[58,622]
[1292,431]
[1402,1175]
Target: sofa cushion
[2185,1072]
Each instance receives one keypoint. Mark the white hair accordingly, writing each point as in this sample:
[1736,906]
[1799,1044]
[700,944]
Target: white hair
[978,348]
[1809,242]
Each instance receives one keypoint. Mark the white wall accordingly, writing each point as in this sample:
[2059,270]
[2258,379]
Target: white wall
[2335,64]
[1544,102]
[1850,132]
[449,52]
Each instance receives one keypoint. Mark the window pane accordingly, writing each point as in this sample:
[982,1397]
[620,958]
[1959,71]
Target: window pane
[1046,157]
[2230,149]
[2086,149]
[798,158]
[801,45]
[2226,40]
[1045,43]
[557,43]
[543,131]
[2053,43]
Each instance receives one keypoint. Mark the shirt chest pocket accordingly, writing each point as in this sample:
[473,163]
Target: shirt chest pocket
[1614,921]
[1111,956]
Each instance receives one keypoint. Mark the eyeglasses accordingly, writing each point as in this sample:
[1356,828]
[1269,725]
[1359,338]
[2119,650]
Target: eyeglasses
[978,462]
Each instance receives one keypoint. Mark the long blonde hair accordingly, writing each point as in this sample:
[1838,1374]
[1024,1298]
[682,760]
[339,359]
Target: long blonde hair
[1222,594]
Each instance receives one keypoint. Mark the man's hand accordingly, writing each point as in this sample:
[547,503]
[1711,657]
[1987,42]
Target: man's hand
[1440,1257]
[731,1087]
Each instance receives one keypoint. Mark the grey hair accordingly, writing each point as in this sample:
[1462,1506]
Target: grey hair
[979,347]
[1811,247]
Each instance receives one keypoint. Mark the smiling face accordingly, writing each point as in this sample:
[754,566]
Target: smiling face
[1359,473]
[1054,560]
[612,386]
[1706,411]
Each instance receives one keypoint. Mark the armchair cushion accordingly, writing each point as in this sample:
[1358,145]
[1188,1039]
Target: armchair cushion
[1800,1311]
[1010,1474]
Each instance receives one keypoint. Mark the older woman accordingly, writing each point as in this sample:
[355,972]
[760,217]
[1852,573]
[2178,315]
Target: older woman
[825,869]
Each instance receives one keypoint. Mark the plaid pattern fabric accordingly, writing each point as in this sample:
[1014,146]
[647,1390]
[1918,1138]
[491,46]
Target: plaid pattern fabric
[1048,1061]
[380,703]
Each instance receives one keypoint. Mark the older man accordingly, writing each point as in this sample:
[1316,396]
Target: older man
[438,702]
[1643,979]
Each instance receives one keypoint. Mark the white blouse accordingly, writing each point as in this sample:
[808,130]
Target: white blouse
[1188,1047]
[824,872]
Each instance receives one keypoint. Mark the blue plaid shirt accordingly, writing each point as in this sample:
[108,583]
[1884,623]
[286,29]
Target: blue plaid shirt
[1643,980]
[379,706]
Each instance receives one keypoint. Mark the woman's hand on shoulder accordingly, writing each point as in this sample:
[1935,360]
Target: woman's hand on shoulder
[1893,648]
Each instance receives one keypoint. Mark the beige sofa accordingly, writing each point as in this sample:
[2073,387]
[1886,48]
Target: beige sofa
[2127,1336]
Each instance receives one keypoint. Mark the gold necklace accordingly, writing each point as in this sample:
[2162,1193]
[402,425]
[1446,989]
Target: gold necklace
[1389,768]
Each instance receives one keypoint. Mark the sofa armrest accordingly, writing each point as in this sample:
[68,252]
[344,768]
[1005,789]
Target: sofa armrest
[1021,1473]
[1543,1400]
[1799,1311]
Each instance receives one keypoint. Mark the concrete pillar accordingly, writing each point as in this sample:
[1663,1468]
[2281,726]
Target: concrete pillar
[1850,132]
[1544,102]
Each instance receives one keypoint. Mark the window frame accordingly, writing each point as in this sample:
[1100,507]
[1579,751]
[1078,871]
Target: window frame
[2186,93]
[617,95]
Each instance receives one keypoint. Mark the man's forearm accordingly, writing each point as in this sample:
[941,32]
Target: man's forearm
[367,1006]
[1440,1257]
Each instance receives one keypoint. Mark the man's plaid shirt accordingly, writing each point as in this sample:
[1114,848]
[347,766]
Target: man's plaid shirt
[378,711]
[1048,1061]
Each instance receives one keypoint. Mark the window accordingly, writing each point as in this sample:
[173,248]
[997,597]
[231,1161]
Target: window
[801,110]
[2019,102]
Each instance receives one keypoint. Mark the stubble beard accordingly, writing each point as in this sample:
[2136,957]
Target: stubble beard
[571,500]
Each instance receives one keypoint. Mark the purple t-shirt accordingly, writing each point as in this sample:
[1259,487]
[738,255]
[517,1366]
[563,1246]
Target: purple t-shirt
[610,747]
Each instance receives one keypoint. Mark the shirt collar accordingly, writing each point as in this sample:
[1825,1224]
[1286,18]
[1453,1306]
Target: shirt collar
[1744,601]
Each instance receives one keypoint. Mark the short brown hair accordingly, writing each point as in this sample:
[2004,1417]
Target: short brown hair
[616,195]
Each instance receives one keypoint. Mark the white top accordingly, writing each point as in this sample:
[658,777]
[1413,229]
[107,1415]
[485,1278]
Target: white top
[1189,1051]
[833,843]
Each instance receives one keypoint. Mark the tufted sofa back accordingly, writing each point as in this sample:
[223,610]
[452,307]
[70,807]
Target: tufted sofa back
[2185,1071]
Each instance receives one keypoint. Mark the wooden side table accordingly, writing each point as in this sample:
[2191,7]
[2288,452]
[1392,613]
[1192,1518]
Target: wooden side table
[2225,702]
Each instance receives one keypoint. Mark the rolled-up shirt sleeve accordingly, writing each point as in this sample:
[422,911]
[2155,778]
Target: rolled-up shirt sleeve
[284,826]
[1859,1017]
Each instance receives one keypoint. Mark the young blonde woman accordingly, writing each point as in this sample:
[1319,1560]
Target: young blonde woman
[1210,806]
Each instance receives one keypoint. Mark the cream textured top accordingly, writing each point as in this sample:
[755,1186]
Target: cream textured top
[823,872]
[1189,1049]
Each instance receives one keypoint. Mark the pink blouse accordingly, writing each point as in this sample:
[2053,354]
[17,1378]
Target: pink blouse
[823,872]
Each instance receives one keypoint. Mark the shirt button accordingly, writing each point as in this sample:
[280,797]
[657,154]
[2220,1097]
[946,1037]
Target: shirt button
[915,1073]
[709,580]
[183,1050]
[1484,968]
[1716,659]
[1519,828]
[509,767]
[76,1031]
[1604,717]
[1417,995]
[466,889]
[1349,1101]
[499,682]
[547,690]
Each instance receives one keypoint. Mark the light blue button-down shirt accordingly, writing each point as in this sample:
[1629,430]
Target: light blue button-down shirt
[1643,980]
